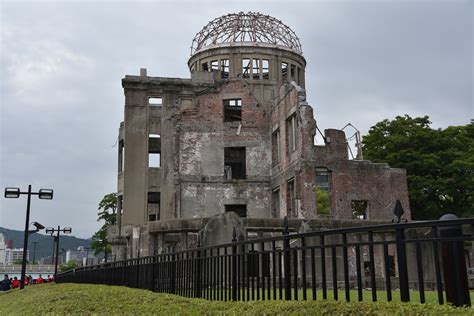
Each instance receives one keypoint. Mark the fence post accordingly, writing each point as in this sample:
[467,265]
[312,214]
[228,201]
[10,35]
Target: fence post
[286,259]
[197,276]
[454,264]
[234,266]
[173,273]
[402,265]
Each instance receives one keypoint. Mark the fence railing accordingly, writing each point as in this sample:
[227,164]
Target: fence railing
[402,261]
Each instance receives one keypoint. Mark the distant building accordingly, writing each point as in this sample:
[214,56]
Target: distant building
[3,255]
[83,256]
[15,254]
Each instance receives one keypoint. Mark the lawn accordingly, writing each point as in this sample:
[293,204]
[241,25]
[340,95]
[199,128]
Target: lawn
[81,299]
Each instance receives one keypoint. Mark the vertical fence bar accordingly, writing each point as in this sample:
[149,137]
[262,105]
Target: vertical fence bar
[295,273]
[359,273]
[419,268]
[439,284]
[323,267]
[402,265]
[286,259]
[313,274]
[346,267]
[303,267]
[388,284]
[234,267]
[334,273]
[274,269]
[372,266]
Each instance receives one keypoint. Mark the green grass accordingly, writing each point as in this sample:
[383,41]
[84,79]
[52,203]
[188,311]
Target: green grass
[81,299]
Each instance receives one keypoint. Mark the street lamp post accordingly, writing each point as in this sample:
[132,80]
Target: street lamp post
[14,193]
[58,231]
[34,250]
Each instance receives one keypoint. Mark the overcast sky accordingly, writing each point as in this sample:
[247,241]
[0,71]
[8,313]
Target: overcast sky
[62,65]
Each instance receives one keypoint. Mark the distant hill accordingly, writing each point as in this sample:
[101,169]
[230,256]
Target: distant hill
[44,247]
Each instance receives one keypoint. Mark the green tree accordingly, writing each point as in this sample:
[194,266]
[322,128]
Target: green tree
[107,213]
[439,163]
[71,264]
[322,201]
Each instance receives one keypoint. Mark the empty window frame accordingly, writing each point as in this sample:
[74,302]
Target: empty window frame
[205,66]
[245,68]
[239,209]
[232,110]
[155,101]
[276,147]
[234,163]
[121,155]
[154,199]
[224,68]
[322,179]
[265,69]
[284,72]
[299,75]
[276,203]
[214,65]
[290,198]
[359,209]
[256,69]
[154,151]
[291,133]
[292,71]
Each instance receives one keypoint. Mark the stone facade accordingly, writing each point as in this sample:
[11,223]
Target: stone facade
[238,136]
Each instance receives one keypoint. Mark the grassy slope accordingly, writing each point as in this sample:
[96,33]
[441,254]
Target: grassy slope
[111,300]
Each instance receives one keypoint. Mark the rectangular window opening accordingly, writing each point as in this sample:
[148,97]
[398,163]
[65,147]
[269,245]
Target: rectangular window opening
[359,209]
[154,101]
[284,72]
[276,147]
[276,203]
[239,209]
[232,110]
[154,199]
[234,163]
[154,151]
[205,67]
[224,68]
[292,71]
[265,71]
[291,199]
[215,65]
[291,133]
[245,68]
[121,155]
[256,69]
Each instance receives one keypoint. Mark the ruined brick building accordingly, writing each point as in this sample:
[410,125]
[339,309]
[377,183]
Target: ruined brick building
[236,138]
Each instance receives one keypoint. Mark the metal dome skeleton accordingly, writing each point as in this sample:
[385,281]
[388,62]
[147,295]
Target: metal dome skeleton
[250,28]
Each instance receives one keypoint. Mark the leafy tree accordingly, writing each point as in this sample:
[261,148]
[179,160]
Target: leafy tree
[322,201]
[439,163]
[71,264]
[107,209]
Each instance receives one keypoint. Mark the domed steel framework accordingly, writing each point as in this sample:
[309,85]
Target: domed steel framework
[251,28]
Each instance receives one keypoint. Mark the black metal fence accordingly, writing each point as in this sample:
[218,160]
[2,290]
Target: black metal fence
[395,261]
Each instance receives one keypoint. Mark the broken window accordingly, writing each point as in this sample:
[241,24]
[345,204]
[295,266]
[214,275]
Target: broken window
[234,163]
[290,198]
[232,110]
[322,192]
[154,151]
[153,200]
[291,131]
[121,152]
[322,179]
[155,101]
[239,209]
[215,65]
[265,72]
[245,68]
[205,67]
[284,72]
[256,69]
[224,68]
[359,209]
[276,203]
[292,72]
[276,147]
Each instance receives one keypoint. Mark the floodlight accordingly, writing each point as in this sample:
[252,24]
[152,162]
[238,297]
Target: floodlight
[12,193]
[38,225]
[67,230]
[45,194]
